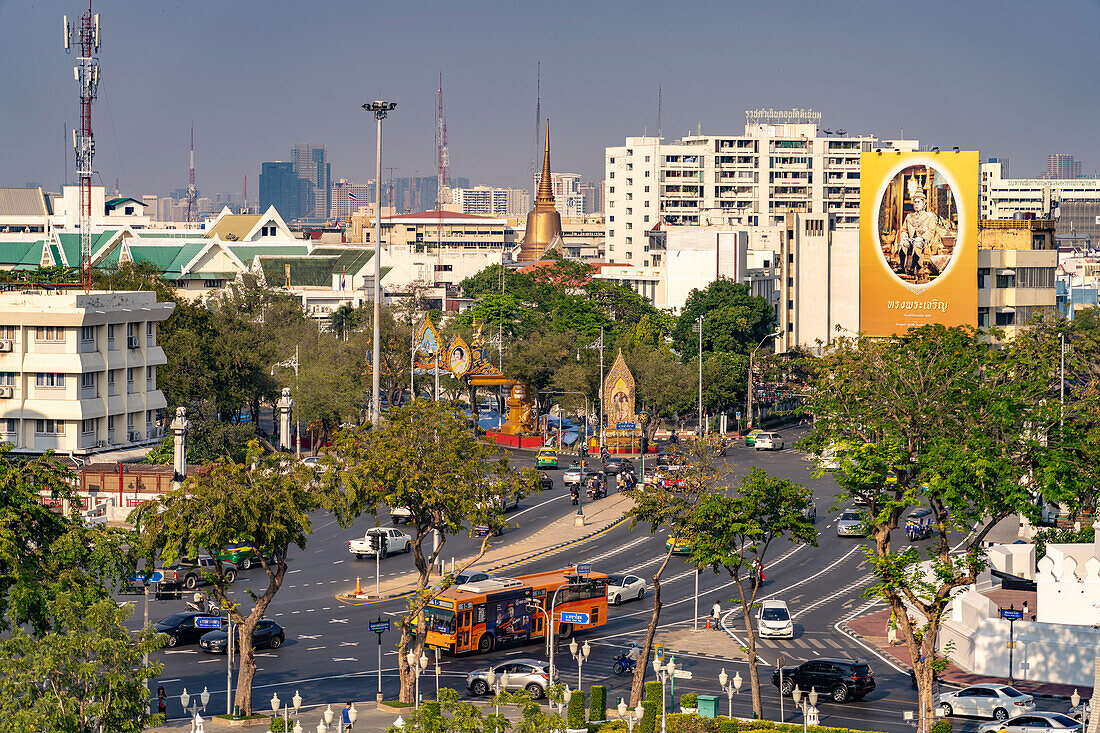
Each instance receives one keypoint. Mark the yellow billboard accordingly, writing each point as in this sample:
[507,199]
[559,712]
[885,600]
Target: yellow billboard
[918,240]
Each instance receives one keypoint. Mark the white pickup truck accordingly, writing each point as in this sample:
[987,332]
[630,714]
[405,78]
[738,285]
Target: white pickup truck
[390,540]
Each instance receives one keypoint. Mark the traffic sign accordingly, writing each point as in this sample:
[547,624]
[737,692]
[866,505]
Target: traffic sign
[584,568]
[682,674]
[625,426]
[738,414]
[156,577]
[208,622]
[379,627]
[1012,614]
[659,652]
[571,617]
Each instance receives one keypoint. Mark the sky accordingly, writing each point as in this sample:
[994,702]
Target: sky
[1009,78]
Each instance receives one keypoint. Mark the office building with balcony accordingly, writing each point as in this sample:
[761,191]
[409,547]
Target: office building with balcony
[78,371]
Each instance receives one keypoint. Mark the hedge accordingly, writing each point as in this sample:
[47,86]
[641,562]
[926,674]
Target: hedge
[576,710]
[649,718]
[693,723]
[597,708]
[653,692]
[689,700]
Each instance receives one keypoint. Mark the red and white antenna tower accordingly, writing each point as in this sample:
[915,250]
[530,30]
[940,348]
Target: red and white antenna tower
[86,36]
[442,158]
[191,181]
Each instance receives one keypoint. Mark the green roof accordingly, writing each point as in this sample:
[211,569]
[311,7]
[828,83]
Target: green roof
[168,258]
[353,259]
[14,253]
[304,271]
[247,252]
[166,235]
[70,245]
[117,201]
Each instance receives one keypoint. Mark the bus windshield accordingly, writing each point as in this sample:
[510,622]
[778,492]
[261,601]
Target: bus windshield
[440,620]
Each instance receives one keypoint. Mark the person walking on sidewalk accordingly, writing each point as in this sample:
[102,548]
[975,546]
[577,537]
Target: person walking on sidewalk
[716,613]
[346,717]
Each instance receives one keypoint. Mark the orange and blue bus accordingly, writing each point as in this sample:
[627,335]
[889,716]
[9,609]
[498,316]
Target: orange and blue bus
[498,612]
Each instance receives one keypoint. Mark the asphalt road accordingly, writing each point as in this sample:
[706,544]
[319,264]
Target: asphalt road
[330,655]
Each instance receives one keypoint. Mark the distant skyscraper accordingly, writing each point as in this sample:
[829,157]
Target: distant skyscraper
[313,169]
[1061,165]
[593,200]
[348,197]
[490,201]
[279,188]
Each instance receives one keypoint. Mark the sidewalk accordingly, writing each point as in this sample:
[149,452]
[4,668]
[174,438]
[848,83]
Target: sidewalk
[599,516]
[871,629]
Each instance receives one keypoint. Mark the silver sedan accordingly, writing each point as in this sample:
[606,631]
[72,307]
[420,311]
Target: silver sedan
[852,523]
[1034,723]
[623,588]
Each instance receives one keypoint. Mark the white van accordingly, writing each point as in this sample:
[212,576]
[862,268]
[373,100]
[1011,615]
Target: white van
[769,441]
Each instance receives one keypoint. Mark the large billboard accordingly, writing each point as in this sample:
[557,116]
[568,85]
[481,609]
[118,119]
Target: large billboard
[918,241]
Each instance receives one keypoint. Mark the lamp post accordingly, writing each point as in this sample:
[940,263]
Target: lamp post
[752,354]
[417,666]
[500,684]
[730,687]
[380,109]
[806,711]
[664,673]
[631,716]
[1062,377]
[326,720]
[699,329]
[580,653]
[296,701]
[197,725]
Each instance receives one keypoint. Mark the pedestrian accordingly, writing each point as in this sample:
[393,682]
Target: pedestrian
[162,700]
[716,612]
[346,715]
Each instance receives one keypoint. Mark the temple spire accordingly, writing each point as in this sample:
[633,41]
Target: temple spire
[546,184]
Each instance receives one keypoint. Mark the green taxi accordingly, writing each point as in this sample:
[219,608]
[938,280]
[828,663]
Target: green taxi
[547,458]
[241,554]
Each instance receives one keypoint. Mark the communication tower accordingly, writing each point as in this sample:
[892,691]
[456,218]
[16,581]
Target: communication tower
[191,181]
[85,35]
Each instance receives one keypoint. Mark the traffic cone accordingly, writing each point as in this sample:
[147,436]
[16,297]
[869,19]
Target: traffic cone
[708,623]
[358,587]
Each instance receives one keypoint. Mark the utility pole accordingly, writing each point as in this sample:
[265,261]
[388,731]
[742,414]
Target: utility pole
[699,328]
[380,109]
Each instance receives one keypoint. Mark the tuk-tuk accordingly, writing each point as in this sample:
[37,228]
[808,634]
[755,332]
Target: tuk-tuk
[918,525]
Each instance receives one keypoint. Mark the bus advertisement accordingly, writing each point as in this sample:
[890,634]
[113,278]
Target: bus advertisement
[498,612]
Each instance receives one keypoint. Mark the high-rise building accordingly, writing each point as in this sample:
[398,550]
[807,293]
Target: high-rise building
[1061,165]
[347,198]
[593,197]
[491,201]
[279,188]
[781,164]
[1073,203]
[315,173]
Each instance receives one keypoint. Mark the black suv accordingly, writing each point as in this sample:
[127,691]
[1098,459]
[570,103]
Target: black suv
[840,679]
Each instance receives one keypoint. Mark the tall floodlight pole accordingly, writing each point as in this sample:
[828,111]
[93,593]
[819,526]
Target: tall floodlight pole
[380,110]
[699,328]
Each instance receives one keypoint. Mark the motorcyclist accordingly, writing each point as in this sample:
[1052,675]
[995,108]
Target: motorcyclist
[634,651]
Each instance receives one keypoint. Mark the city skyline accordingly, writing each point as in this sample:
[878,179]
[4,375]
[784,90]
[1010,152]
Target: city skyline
[926,69]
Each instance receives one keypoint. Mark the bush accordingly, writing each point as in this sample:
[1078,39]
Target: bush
[649,717]
[689,700]
[597,708]
[277,725]
[729,726]
[576,710]
[941,726]
[653,692]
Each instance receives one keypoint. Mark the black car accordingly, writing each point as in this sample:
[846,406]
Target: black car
[840,679]
[545,482]
[615,465]
[181,627]
[267,633]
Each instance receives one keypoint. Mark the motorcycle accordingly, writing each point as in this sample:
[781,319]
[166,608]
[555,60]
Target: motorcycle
[596,490]
[574,492]
[624,664]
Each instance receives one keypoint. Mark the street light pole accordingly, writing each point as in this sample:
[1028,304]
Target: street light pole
[1062,377]
[599,345]
[581,655]
[699,328]
[380,109]
[748,412]
[730,687]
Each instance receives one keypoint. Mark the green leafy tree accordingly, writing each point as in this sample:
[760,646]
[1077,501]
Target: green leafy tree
[265,501]
[208,438]
[86,675]
[735,319]
[425,458]
[665,386]
[671,510]
[345,319]
[734,534]
[940,419]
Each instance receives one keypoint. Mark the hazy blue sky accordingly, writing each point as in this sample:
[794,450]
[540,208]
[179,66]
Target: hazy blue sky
[1015,79]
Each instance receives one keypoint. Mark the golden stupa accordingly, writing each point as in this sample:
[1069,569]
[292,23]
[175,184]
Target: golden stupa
[543,221]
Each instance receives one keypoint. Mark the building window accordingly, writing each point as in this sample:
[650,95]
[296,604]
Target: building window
[611,174]
[1035,277]
[87,427]
[131,329]
[49,333]
[11,427]
[610,232]
[647,191]
[111,336]
[1006,319]
[629,225]
[87,334]
[7,333]
[49,379]
[212,284]
[646,217]
[49,427]
[1038,241]
[983,278]
[130,379]
[1007,280]
[110,381]
[150,378]
[151,333]
[87,380]
[647,174]
[7,379]
[610,160]
[630,240]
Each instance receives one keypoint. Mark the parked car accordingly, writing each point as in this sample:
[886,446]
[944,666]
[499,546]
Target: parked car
[391,540]
[523,674]
[546,458]
[191,572]
[181,628]
[840,679]
[622,587]
[312,460]
[774,620]
[241,554]
[852,523]
[267,633]
[768,441]
[1034,723]
[999,702]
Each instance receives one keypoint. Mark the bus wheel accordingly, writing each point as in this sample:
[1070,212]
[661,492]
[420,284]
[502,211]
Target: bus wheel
[485,643]
[565,631]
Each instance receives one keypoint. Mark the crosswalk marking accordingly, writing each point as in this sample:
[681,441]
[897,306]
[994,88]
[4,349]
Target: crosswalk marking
[833,643]
[817,643]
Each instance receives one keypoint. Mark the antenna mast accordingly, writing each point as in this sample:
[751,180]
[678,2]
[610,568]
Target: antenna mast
[659,110]
[244,209]
[191,181]
[86,36]
[442,165]
[536,149]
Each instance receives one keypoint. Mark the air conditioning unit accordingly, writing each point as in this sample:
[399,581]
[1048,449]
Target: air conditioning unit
[134,436]
[131,342]
[6,392]
[7,345]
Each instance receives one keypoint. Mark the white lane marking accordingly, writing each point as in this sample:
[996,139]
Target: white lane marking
[204,661]
[349,643]
[177,679]
[294,571]
[337,620]
[309,636]
[337,562]
[617,550]
[344,659]
[536,506]
[313,648]
[848,589]
[858,612]
[182,651]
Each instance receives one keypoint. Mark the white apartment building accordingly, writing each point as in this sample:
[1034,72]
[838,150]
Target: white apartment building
[78,372]
[491,201]
[754,179]
[1074,203]
[568,197]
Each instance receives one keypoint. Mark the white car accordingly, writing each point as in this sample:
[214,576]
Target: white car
[852,523]
[621,587]
[999,702]
[774,620]
[768,441]
[390,540]
[1034,723]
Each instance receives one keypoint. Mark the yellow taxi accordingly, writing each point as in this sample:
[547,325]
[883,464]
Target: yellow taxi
[547,458]
[750,438]
[678,545]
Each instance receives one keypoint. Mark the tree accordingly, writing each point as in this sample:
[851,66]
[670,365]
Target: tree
[734,533]
[938,418]
[84,676]
[664,384]
[265,501]
[735,319]
[345,319]
[425,458]
[208,438]
[671,510]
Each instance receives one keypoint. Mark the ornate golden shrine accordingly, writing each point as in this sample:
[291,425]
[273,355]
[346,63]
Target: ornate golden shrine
[472,364]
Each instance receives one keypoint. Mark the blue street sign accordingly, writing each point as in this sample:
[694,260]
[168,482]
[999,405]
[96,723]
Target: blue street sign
[1012,614]
[625,426]
[738,414]
[156,577]
[659,652]
[584,569]
[379,627]
[574,618]
[208,622]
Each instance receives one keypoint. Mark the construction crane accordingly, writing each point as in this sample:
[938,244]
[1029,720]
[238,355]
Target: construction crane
[86,36]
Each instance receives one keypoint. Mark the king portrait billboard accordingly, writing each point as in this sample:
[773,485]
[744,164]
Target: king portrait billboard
[918,241]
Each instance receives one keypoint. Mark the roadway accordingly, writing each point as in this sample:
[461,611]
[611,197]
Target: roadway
[330,655]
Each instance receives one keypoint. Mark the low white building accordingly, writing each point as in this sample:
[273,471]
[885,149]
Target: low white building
[78,371]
